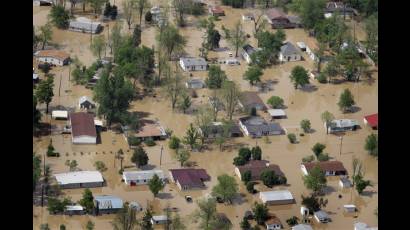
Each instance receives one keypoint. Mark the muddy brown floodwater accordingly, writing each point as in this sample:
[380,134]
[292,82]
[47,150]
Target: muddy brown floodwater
[300,105]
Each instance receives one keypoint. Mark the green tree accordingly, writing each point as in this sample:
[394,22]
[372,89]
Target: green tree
[276,102]
[87,200]
[346,100]
[148,17]
[256,153]
[55,205]
[100,166]
[140,157]
[146,220]
[237,37]
[182,156]
[245,153]
[323,157]
[173,87]
[141,6]
[171,40]
[250,187]
[59,16]
[45,35]
[203,119]
[372,37]
[269,178]
[36,113]
[128,9]
[309,158]
[97,5]
[311,12]
[98,46]
[62,227]
[227,188]
[270,43]
[216,77]
[327,118]
[305,125]
[237,161]
[113,94]
[212,35]
[246,176]
[261,213]
[36,169]
[115,39]
[185,103]
[90,225]
[292,221]
[318,149]
[136,36]
[44,92]
[299,76]
[206,213]
[230,94]
[245,224]
[125,219]
[174,142]
[292,138]
[155,185]
[371,145]
[253,74]
[191,136]
[177,223]
[315,180]
[44,227]
[313,203]
[332,69]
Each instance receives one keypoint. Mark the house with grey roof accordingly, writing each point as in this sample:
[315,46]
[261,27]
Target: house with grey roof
[247,51]
[256,127]
[85,25]
[107,204]
[321,216]
[85,103]
[193,64]
[249,100]
[195,84]
[288,52]
[302,227]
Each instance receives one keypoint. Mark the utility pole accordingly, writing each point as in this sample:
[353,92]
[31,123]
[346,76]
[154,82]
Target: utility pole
[160,158]
[341,143]
[59,87]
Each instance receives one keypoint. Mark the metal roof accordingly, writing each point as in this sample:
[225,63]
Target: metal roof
[159,218]
[84,99]
[59,113]
[142,175]
[276,112]
[189,61]
[256,124]
[288,49]
[343,123]
[79,177]
[74,208]
[108,202]
[302,227]
[276,195]
[321,215]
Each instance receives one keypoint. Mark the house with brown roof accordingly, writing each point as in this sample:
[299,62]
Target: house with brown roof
[273,223]
[83,129]
[256,167]
[249,100]
[331,168]
[189,178]
[216,11]
[54,57]
[279,20]
[150,129]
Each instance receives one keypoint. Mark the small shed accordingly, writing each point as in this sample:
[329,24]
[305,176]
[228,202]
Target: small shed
[195,84]
[278,197]
[349,208]
[84,25]
[59,114]
[85,103]
[159,220]
[301,45]
[288,52]
[321,216]
[344,182]
[277,113]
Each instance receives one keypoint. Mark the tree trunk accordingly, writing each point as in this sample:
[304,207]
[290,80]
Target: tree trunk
[43,44]
[46,108]
[84,6]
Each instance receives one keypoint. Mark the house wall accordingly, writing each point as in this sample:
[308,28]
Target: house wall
[273,227]
[181,63]
[52,60]
[278,202]
[83,185]
[243,127]
[304,171]
[294,57]
[108,211]
[84,140]
[246,57]
[310,53]
[238,173]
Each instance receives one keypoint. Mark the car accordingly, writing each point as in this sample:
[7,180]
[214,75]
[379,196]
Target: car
[188,199]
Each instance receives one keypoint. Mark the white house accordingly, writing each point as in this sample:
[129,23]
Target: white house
[321,216]
[302,227]
[159,220]
[80,179]
[342,125]
[273,223]
[363,226]
[193,64]
[83,129]
[195,84]
[247,51]
[59,114]
[349,208]
[85,25]
[141,177]
[277,113]
[288,52]
[277,197]
[54,57]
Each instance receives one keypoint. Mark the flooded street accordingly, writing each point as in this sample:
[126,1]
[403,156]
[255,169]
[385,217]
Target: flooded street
[300,105]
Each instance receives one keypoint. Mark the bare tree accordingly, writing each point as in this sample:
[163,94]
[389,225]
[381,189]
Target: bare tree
[259,22]
[128,8]
[230,94]
[237,37]
[141,6]
[173,87]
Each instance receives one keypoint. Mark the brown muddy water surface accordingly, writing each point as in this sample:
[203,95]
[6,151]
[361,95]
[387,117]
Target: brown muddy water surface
[300,105]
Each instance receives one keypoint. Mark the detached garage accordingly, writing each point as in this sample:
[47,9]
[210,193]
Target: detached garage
[277,197]
[83,128]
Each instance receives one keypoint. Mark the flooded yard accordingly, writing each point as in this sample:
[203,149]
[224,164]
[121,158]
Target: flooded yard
[301,104]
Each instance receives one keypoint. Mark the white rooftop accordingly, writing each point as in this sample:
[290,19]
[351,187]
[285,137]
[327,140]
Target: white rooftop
[276,195]
[98,122]
[343,123]
[79,177]
[363,226]
[59,113]
[302,227]
[301,45]
[142,175]
[277,112]
[159,218]
[74,208]
[85,98]
[35,76]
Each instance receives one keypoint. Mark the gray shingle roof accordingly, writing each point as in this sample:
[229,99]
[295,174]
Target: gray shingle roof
[256,124]
[108,202]
[193,61]
[288,49]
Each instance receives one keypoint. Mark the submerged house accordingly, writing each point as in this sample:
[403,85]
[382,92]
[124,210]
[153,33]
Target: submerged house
[321,216]
[80,179]
[133,178]
[288,52]
[342,125]
[107,204]
[195,84]
[256,167]
[339,7]
[277,197]
[330,168]
[216,11]
[85,103]
[279,20]
[257,127]
[247,51]
[216,129]
[83,129]
[193,64]
[53,57]
[85,25]
[249,100]
[189,178]
[150,130]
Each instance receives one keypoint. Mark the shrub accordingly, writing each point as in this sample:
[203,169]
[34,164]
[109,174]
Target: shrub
[134,141]
[149,142]
[120,171]
[292,138]
[276,102]
[246,176]
[250,187]
[323,157]
[305,125]
[292,221]
[237,161]
[100,166]
[148,16]
[308,159]
[174,142]
[322,78]
[318,149]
